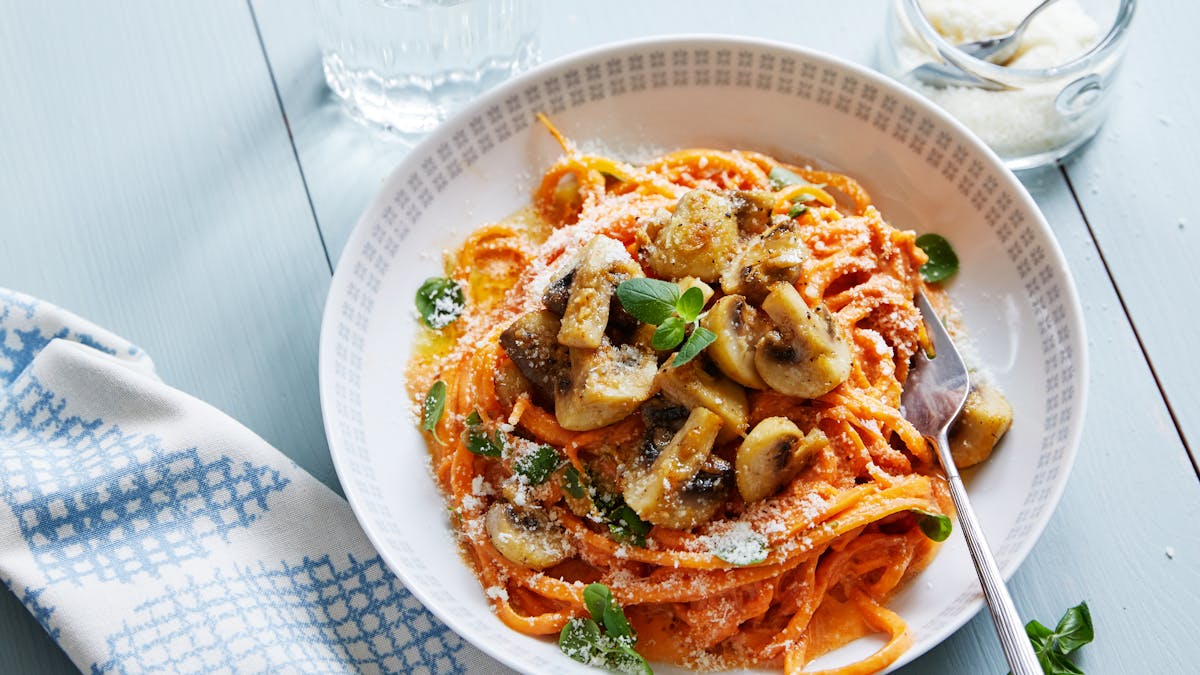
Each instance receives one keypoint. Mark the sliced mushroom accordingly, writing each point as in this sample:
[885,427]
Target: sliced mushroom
[669,492]
[752,208]
[777,255]
[693,386]
[511,383]
[604,385]
[558,292]
[771,456]
[804,354]
[526,536]
[738,326]
[532,344]
[603,264]
[698,241]
[985,418]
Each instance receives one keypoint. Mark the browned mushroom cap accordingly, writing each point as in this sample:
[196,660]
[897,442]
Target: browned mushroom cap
[985,418]
[526,536]
[699,240]
[752,208]
[532,344]
[694,386]
[738,327]
[772,454]
[603,264]
[604,385]
[775,256]
[673,492]
[804,354]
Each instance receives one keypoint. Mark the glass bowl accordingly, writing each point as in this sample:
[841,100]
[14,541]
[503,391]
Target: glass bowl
[1029,116]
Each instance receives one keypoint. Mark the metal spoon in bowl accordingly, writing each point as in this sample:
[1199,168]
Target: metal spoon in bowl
[933,398]
[997,49]
[1000,48]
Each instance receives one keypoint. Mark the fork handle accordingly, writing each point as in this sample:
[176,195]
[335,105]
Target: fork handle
[1017,650]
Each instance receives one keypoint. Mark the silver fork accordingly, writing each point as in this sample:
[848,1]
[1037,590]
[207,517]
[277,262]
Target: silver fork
[933,397]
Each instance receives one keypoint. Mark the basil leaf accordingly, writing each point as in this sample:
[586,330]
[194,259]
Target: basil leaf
[669,333]
[797,210]
[615,622]
[1075,629]
[440,301]
[943,262]
[536,466]
[690,304]
[626,660]
[580,639]
[627,527]
[597,598]
[699,339]
[435,405]
[936,526]
[781,177]
[571,482]
[751,550]
[477,439]
[648,300]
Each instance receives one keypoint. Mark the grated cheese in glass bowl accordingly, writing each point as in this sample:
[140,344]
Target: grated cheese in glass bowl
[1046,101]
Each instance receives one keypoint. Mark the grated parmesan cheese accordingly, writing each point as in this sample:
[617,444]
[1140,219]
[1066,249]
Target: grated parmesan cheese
[1019,122]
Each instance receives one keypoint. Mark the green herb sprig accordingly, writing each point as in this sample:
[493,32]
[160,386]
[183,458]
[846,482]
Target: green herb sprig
[936,526]
[440,301]
[431,411]
[943,262]
[536,466]
[1052,647]
[660,303]
[478,440]
[606,639]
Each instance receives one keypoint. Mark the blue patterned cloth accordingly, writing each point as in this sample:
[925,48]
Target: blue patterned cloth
[148,532]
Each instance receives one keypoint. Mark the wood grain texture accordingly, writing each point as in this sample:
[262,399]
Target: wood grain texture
[1136,182]
[147,182]
[1107,542]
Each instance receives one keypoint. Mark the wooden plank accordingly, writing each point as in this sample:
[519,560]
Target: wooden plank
[1111,540]
[147,182]
[1135,182]
[1105,534]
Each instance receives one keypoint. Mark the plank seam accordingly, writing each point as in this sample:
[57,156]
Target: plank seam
[291,139]
[1129,318]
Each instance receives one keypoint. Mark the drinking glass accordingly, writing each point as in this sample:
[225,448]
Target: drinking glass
[406,65]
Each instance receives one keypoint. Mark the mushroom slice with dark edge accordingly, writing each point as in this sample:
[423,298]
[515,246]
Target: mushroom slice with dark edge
[526,536]
[775,256]
[604,385]
[699,240]
[603,264]
[986,416]
[738,326]
[752,208]
[804,354]
[773,453]
[667,493]
[531,342]
[694,386]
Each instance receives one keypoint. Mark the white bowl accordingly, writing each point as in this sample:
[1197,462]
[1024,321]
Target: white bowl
[924,171]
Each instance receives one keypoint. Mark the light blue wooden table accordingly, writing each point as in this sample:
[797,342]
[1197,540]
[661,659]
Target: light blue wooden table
[178,173]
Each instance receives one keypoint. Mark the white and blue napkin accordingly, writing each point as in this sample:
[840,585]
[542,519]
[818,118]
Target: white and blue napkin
[148,531]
